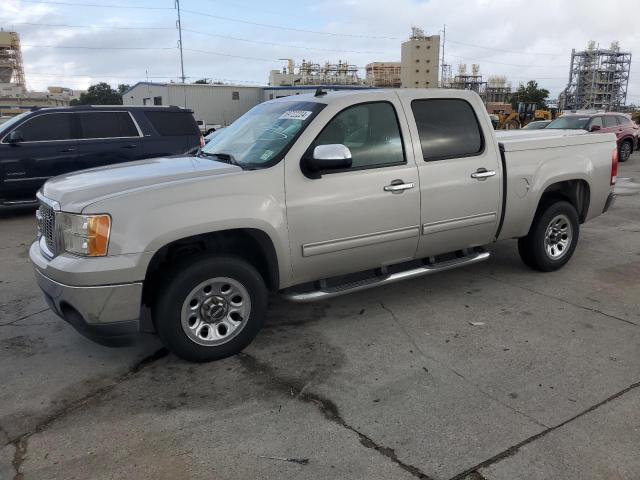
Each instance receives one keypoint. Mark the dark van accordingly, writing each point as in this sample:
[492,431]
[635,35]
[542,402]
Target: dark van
[46,142]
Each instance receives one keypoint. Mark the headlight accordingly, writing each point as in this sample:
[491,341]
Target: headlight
[85,234]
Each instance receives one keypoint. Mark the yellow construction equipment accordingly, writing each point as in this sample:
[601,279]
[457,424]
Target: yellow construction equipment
[527,112]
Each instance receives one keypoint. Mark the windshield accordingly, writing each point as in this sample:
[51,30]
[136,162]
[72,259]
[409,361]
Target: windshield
[573,122]
[263,135]
[6,126]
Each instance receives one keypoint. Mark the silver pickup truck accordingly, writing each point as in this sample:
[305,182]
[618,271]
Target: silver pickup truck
[309,196]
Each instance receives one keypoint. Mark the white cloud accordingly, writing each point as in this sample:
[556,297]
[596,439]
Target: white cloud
[524,26]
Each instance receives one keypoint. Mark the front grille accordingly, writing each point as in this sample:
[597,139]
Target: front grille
[47,225]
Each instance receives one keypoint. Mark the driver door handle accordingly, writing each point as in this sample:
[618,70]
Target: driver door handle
[398,186]
[482,174]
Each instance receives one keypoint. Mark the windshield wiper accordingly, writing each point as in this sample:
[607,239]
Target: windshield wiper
[223,157]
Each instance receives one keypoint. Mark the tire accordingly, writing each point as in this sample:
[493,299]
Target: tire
[211,130]
[626,148]
[225,319]
[558,222]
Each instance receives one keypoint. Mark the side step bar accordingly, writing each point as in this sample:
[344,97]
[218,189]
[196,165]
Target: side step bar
[427,269]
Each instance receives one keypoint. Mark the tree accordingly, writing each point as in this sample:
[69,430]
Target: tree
[530,93]
[101,94]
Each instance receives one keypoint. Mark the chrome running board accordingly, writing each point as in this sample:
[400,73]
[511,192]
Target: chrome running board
[375,281]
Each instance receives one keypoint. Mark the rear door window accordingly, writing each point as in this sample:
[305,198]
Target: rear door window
[624,120]
[448,128]
[610,121]
[107,125]
[46,127]
[596,121]
[169,123]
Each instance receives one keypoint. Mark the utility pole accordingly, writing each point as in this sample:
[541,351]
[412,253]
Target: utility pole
[444,39]
[179,26]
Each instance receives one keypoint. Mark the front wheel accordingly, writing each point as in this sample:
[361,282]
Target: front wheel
[552,238]
[211,307]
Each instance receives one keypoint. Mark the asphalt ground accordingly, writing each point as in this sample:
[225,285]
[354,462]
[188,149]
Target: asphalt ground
[492,371]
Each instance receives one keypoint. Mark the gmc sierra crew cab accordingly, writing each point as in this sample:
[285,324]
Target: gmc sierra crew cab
[309,196]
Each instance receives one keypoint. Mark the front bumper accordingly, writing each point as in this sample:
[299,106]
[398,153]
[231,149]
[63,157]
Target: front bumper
[107,314]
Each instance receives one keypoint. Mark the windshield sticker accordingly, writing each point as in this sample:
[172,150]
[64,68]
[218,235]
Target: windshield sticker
[266,155]
[295,115]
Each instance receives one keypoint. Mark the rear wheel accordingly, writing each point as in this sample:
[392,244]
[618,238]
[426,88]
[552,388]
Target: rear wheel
[552,238]
[625,150]
[211,307]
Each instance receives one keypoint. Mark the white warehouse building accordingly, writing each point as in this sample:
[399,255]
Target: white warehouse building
[213,104]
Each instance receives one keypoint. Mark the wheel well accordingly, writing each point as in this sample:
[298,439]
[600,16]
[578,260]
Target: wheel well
[576,192]
[253,245]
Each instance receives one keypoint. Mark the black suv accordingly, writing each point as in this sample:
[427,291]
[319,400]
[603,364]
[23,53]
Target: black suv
[46,142]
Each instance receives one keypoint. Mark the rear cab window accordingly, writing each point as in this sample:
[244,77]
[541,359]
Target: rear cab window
[448,128]
[173,123]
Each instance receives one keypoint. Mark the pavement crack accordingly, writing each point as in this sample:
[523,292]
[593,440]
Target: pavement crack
[21,440]
[552,297]
[20,445]
[13,322]
[454,371]
[509,452]
[298,390]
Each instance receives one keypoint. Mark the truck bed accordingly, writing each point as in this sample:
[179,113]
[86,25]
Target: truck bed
[565,153]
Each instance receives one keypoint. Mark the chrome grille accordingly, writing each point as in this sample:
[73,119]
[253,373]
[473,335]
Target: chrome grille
[47,226]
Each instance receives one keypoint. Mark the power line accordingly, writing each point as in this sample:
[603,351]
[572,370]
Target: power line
[520,52]
[107,27]
[198,32]
[292,29]
[136,7]
[84,47]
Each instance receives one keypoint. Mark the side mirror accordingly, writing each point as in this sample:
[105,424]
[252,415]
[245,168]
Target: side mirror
[15,137]
[329,157]
[595,128]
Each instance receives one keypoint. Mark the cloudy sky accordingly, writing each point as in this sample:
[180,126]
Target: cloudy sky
[76,43]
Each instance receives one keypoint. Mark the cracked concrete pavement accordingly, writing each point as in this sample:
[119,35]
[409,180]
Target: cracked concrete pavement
[492,371]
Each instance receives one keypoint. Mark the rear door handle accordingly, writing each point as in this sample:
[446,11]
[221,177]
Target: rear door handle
[483,174]
[67,150]
[398,186]
[132,145]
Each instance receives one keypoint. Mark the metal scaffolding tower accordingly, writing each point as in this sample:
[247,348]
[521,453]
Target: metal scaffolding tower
[598,79]
[11,68]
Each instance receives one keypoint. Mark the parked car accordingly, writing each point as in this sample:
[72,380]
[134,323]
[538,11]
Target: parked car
[311,197]
[537,125]
[625,130]
[207,128]
[46,142]
[213,135]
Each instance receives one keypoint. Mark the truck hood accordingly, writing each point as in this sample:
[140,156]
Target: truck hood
[76,190]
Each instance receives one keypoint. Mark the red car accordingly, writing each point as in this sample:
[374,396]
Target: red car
[626,131]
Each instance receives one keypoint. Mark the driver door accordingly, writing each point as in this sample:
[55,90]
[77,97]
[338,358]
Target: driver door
[349,220]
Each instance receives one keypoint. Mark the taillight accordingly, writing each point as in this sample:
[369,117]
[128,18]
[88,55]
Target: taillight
[201,141]
[614,166]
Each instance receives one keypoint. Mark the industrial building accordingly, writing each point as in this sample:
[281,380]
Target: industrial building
[11,68]
[420,59]
[598,78]
[215,104]
[384,74]
[311,73]
[14,96]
